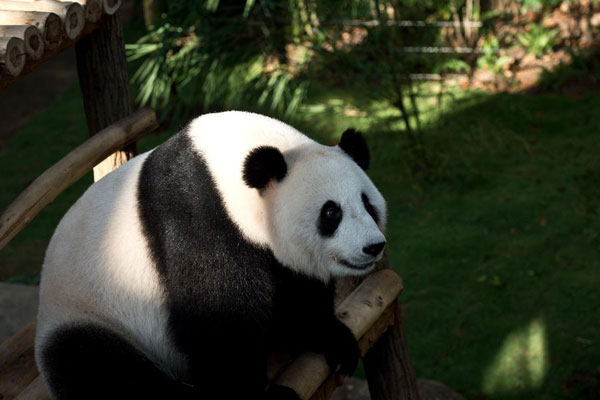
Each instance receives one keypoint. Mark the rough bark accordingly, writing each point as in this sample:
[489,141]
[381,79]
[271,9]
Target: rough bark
[388,368]
[102,68]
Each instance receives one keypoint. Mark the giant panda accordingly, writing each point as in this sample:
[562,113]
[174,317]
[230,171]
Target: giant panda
[175,275]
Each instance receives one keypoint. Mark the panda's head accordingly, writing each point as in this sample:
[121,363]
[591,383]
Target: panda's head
[325,216]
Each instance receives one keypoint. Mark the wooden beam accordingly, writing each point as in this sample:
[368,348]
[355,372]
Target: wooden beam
[92,9]
[111,6]
[17,363]
[31,36]
[71,14]
[70,169]
[49,24]
[359,312]
[36,390]
[104,80]
[12,55]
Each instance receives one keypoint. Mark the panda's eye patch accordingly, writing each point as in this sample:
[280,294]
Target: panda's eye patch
[329,219]
[369,207]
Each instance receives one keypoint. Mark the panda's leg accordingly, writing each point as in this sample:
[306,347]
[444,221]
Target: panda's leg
[230,363]
[91,362]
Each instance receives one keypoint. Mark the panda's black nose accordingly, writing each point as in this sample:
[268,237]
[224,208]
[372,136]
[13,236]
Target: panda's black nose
[374,249]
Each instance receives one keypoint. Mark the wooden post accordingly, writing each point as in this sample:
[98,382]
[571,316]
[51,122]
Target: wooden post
[104,80]
[388,368]
[389,372]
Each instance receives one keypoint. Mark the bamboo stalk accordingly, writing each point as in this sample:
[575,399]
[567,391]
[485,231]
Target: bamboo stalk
[34,42]
[359,312]
[71,168]
[71,14]
[49,24]
[12,55]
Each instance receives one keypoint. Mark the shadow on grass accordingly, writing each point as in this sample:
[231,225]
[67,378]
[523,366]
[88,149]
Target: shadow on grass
[500,238]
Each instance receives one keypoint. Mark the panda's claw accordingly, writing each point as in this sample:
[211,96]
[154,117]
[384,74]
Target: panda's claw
[343,352]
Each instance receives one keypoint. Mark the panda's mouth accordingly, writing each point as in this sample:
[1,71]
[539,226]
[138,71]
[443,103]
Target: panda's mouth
[360,267]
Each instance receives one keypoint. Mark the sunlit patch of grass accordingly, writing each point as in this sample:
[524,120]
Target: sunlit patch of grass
[521,362]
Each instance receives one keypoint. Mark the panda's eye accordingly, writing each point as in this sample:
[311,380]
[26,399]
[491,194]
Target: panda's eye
[329,218]
[332,212]
[369,207]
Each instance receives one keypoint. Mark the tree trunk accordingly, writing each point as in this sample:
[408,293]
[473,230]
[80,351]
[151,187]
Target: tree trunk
[102,68]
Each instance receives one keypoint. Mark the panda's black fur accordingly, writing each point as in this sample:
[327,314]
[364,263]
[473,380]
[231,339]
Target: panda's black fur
[250,302]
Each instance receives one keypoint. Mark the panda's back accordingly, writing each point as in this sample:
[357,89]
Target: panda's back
[97,269]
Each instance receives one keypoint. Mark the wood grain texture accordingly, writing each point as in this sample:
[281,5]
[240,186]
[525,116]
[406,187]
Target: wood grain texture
[105,85]
[36,390]
[17,363]
[111,6]
[388,367]
[71,14]
[49,24]
[71,168]
[93,9]
[31,36]
[12,55]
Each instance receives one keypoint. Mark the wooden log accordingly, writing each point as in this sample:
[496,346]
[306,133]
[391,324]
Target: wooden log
[49,24]
[105,85]
[388,367]
[17,363]
[31,36]
[359,312]
[92,9]
[71,168]
[71,14]
[111,6]
[366,342]
[12,55]
[36,390]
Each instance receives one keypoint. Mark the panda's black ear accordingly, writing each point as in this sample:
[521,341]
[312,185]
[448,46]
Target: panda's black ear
[355,145]
[263,164]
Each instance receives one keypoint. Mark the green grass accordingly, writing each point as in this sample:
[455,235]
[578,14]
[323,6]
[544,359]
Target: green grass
[498,240]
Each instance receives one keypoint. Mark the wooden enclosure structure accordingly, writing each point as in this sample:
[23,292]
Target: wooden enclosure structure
[33,30]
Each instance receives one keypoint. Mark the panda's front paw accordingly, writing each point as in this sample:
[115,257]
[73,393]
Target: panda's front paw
[342,350]
[279,392]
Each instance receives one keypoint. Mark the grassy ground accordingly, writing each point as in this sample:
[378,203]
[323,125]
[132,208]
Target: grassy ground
[498,240]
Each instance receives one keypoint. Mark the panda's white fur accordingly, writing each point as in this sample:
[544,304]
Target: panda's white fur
[98,267]
[286,216]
